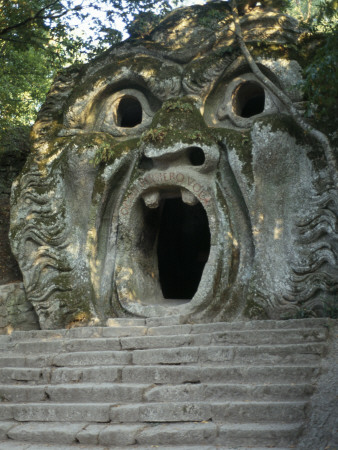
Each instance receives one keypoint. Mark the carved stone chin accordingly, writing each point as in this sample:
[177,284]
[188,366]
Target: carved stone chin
[165,179]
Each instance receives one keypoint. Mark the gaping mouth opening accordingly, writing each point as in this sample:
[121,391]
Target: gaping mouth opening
[183,248]
[175,241]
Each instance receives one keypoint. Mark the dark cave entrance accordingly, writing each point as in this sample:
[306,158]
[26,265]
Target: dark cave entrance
[183,248]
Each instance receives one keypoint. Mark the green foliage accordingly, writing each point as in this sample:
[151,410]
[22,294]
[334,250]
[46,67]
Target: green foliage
[143,24]
[320,84]
[195,135]
[34,45]
[39,37]
[246,5]
[213,19]
[103,154]
[108,151]
[178,105]
[312,12]
[156,135]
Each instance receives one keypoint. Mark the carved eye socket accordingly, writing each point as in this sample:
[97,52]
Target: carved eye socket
[248,99]
[128,112]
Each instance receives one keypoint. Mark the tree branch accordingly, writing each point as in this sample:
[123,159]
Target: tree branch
[37,15]
[308,11]
[317,135]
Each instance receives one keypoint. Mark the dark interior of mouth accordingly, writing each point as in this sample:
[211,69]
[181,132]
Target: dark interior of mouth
[183,248]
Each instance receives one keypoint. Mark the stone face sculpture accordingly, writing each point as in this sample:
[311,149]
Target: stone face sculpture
[165,179]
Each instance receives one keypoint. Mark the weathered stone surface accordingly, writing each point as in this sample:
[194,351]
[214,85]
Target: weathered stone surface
[120,435]
[92,359]
[54,412]
[5,427]
[161,412]
[258,434]
[90,434]
[103,392]
[166,181]
[38,432]
[16,312]
[178,434]
[191,374]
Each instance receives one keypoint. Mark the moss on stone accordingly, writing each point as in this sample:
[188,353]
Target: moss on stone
[178,120]
[254,311]
[241,143]
[107,152]
[265,49]
[87,141]
[143,66]
[285,123]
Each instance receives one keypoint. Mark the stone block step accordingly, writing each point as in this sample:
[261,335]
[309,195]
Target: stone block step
[260,354]
[236,411]
[140,327]
[79,333]
[161,374]
[209,373]
[255,434]
[10,445]
[235,434]
[227,392]
[222,327]
[171,434]
[119,392]
[246,337]
[268,354]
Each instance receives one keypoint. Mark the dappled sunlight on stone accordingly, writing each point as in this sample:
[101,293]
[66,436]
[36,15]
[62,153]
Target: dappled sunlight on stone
[278,230]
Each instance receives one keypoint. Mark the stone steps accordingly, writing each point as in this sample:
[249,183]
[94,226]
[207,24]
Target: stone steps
[251,338]
[264,354]
[8,445]
[155,412]
[142,383]
[161,374]
[187,434]
[119,392]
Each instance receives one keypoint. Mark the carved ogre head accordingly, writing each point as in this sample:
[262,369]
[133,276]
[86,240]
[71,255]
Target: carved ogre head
[165,179]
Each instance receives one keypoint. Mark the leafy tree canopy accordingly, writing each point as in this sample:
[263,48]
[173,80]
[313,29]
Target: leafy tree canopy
[39,37]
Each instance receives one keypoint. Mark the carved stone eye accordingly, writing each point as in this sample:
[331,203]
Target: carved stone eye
[129,112]
[248,99]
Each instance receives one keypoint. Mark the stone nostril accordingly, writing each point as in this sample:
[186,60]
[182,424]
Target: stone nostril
[196,156]
[146,163]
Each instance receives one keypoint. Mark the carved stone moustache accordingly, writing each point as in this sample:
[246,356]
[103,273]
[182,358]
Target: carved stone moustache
[165,179]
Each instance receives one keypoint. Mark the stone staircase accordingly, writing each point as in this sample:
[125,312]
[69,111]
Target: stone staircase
[156,383]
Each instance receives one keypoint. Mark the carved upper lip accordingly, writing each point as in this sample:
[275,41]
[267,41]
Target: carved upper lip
[153,196]
[157,184]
